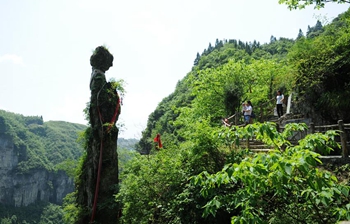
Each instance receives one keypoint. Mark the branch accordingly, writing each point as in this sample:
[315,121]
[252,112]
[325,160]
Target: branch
[290,215]
[302,3]
[341,1]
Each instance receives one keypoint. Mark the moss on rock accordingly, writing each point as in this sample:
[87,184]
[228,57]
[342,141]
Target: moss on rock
[104,109]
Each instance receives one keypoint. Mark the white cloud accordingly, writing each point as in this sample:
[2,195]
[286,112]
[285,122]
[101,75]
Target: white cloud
[12,58]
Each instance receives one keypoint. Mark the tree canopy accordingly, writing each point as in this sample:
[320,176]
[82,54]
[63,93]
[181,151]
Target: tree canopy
[300,4]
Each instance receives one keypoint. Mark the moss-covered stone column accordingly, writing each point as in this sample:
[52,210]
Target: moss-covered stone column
[98,182]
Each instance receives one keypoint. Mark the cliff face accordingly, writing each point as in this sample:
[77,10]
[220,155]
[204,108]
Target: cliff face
[21,189]
[33,158]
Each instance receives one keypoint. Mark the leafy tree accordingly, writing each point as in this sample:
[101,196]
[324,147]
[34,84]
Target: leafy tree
[309,30]
[12,220]
[322,72]
[273,39]
[300,4]
[318,26]
[233,93]
[70,208]
[278,48]
[52,214]
[315,30]
[149,184]
[218,44]
[198,57]
[300,34]
[284,185]
[155,188]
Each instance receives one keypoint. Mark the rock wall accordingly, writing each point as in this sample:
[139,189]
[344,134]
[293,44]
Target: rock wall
[23,189]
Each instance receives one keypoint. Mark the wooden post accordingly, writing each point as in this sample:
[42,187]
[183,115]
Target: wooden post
[236,118]
[345,153]
[248,146]
[312,127]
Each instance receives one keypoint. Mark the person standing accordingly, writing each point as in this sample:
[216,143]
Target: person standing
[247,111]
[279,103]
[158,141]
[251,112]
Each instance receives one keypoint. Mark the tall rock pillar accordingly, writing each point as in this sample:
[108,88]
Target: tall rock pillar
[98,181]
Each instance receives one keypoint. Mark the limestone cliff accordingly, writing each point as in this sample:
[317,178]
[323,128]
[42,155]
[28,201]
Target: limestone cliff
[27,175]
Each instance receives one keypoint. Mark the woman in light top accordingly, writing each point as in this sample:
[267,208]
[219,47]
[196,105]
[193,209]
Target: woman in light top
[247,112]
[279,103]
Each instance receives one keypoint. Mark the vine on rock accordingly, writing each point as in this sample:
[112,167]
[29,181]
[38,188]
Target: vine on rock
[98,178]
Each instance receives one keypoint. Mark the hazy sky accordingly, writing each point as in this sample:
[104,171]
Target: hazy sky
[45,48]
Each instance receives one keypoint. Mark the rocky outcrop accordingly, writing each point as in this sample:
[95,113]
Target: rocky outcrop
[21,189]
[98,180]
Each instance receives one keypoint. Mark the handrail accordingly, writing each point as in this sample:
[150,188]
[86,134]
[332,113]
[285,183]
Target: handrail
[328,126]
[343,128]
[343,137]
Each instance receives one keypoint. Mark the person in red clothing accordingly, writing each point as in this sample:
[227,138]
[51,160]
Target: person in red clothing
[157,139]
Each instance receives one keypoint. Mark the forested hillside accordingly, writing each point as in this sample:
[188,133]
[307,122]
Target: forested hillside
[313,67]
[202,175]
[37,166]
[45,144]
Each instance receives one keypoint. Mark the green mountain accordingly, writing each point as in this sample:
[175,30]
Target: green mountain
[128,144]
[205,174]
[35,159]
[40,145]
[312,69]
[37,162]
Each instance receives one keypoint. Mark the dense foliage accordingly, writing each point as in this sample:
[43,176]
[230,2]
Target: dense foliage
[204,175]
[323,70]
[281,186]
[190,183]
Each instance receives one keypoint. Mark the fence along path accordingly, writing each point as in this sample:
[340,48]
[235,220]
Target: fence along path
[344,135]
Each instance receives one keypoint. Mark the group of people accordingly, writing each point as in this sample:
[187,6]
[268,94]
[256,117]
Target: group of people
[247,110]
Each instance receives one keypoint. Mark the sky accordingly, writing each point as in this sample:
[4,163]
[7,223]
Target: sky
[45,48]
